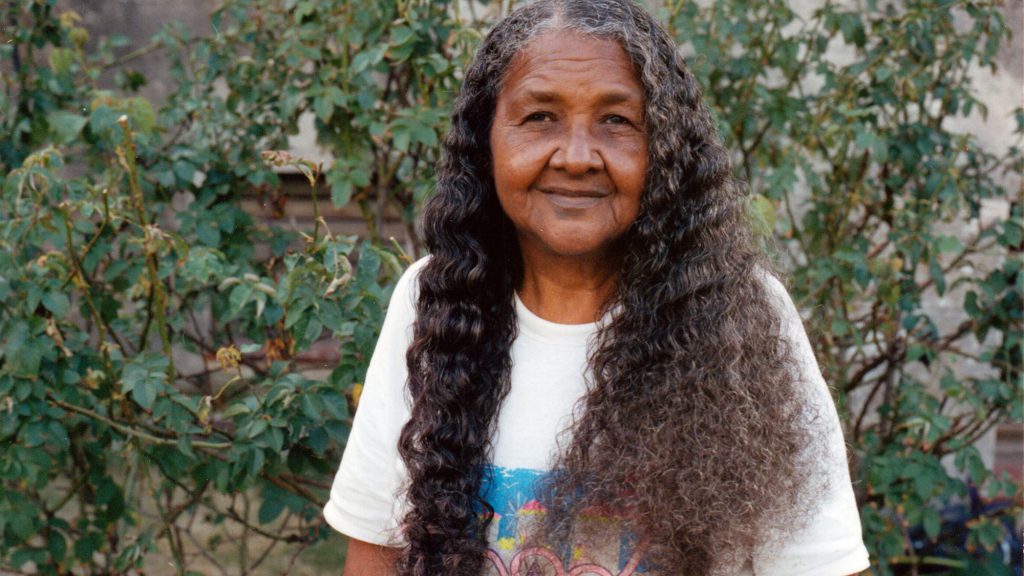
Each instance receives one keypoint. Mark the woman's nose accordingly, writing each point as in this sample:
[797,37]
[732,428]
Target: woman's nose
[578,152]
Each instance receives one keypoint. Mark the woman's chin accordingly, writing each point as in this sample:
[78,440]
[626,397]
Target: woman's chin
[572,246]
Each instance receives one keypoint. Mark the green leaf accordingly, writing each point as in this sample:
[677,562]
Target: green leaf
[61,59]
[318,440]
[145,394]
[184,445]
[302,10]
[34,434]
[22,521]
[257,427]
[865,139]
[58,435]
[57,303]
[948,245]
[270,508]
[256,462]
[337,431]
[141,113]
[1013,233]
[208,232]
[202,264]
[367,58]
[313,330]
[762,214]
[24,351]
[235,409]
[402,137]
[103,121]
[66,126]
[932,522]
[335,95]
[144,377]
[935,271]
[239,298]
[424,134]
[87,544]
[323,107]
[400,35]
[56,545]
[341,192]
[311,405]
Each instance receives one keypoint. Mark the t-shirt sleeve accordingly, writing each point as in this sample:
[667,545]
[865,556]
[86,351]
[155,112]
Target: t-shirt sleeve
[831,543]
[364,503]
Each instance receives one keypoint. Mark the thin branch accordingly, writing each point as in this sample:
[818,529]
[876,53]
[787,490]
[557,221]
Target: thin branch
[126,153]
[149,320]
[243,548]
[132,431]
[307,481]
[891,354]
[102,326]
[865,408]
[231,513]
[194,497]
[201,550]
[291,563]
[268,549]
[138,52]
[177,549]
[968,434]
[72,490]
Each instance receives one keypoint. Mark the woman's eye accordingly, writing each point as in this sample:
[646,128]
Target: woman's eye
[616,119]
[538,117]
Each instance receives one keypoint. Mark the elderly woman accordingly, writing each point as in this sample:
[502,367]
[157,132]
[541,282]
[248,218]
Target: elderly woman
[594,373]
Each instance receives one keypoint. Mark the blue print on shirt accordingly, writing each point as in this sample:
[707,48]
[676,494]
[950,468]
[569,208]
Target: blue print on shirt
[512,493]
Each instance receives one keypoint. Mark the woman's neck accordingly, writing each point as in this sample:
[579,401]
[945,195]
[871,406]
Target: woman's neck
[567,290]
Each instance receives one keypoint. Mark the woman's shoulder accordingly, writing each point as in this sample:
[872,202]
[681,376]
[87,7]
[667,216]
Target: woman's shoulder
[407,286]
[792,331]
[778,296]
[410,274]
[401,308]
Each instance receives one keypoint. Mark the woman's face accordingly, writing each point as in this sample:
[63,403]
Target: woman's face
[568,144]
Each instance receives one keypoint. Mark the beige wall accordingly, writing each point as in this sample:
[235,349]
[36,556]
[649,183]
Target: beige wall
[139,20]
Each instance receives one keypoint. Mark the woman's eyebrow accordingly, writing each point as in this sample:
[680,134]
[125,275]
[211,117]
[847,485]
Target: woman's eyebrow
[619,97]
[542,96]
[608,98]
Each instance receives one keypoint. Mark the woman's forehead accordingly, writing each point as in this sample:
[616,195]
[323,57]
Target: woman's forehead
[558,59]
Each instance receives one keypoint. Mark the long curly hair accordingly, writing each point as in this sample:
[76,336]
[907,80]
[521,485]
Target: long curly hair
[693,427]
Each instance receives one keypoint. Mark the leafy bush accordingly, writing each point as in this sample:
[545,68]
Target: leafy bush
[841,123]
[126,261]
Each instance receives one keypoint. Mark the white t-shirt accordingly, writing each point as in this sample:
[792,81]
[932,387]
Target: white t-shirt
[548,364]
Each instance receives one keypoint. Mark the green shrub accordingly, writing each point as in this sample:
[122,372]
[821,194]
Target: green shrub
[875,202]
[113,287]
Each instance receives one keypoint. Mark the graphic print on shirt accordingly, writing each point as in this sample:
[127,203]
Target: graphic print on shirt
[512,494]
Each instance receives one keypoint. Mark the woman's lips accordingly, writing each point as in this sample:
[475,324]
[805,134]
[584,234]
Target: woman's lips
[573,199]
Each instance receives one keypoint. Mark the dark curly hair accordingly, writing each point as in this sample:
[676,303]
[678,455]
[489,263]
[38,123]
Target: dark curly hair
[693,425]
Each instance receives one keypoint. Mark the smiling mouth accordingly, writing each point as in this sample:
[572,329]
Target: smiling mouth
[573,199]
